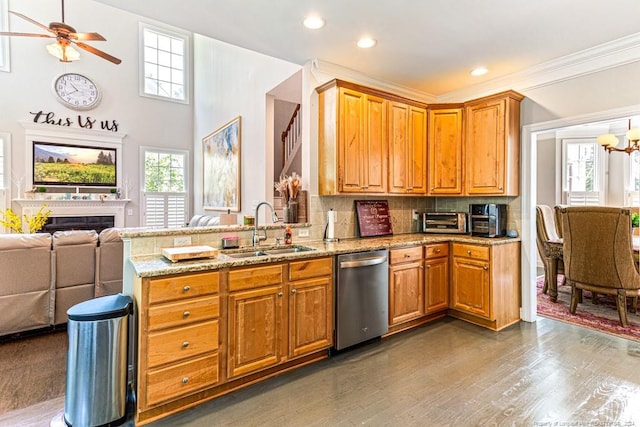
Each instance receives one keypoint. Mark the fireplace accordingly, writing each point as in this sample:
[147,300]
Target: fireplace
[69,210]
[63,223]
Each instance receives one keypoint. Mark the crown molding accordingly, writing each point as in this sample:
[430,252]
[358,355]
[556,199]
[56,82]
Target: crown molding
[334,71]
[612,54]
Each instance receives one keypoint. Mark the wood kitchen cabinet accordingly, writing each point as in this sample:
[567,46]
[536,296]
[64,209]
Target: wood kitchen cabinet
[436,277]
[179,337]
[407,148]
[492,145]
[265,321]
[352,140]
[485,284]
[406,285]
[444,151]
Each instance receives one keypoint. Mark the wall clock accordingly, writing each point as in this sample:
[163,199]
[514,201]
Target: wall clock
[76,91]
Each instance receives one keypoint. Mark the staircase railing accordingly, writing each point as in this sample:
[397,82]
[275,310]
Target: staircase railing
[290,137]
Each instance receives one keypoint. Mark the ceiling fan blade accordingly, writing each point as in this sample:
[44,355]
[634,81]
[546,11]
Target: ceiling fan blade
[26,18]
[98,52]
[7,33]
[87,36]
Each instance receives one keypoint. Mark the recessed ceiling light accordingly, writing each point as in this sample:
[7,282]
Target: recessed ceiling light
[480,71]
[366,42]
[313,22]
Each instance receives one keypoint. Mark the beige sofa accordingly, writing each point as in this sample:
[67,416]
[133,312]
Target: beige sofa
[44,275]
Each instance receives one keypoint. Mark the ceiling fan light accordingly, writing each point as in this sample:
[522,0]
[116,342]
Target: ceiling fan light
[64,53]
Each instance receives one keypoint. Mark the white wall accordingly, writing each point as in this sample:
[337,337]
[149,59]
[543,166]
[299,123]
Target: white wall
[230,82]
[27,88]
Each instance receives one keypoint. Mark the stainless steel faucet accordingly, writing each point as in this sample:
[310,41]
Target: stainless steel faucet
[256,237]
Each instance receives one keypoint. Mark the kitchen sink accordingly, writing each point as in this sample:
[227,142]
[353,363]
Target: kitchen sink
[289,250]
[247,254]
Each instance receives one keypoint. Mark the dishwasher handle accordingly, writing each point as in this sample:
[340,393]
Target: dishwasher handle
[363,262]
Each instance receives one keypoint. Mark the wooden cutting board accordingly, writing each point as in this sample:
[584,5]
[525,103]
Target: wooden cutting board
[182,253]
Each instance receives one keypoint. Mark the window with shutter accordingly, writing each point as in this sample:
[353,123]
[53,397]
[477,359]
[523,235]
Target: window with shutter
[583,172]
[165,188]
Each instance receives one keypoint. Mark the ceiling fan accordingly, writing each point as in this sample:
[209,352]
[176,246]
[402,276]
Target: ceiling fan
[65,36]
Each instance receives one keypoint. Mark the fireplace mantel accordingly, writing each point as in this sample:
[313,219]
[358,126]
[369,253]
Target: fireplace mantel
[76,208]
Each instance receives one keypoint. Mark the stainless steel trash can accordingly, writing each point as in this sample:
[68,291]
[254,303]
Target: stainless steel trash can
[96,392]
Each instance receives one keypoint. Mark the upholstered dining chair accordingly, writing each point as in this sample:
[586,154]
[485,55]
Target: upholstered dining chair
[546,230]
[598,255]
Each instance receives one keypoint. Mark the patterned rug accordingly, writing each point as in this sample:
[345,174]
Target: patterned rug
[600,317]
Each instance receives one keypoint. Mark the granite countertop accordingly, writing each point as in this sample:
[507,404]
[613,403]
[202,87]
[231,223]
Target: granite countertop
[157,265]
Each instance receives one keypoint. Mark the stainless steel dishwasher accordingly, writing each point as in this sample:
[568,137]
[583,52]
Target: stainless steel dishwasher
[362,297]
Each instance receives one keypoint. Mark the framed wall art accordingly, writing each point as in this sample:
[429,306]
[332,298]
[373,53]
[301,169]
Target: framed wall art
[221,168]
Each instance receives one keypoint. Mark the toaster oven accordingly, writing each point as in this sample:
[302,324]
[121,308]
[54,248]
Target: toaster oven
[444,222]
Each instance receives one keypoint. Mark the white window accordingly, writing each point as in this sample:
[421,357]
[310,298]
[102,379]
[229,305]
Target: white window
[583,172]
[4,41]
[165,187]
[164,64]
[632,193]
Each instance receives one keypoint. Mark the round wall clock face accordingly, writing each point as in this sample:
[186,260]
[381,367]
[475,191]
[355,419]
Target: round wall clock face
[76,91]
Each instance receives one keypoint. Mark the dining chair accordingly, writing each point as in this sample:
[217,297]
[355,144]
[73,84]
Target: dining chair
[598,255]
[546,230]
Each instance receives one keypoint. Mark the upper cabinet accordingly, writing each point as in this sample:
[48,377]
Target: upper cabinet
[445,151]
[374,142]
[352,144]
[492,145]
[407,148]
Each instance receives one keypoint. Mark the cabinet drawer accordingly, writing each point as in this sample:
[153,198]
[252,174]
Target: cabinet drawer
[405,255]
[177,380]
[436,251]
[181,343]
[187,286]
[247,278]
[310,268]
[183,312]
[471,251]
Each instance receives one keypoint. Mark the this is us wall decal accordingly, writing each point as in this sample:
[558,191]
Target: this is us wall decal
[85,122]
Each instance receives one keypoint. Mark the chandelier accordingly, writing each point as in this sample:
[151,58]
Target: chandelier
[610,142]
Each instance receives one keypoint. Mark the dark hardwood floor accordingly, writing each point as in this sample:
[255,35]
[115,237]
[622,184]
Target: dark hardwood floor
[449,373]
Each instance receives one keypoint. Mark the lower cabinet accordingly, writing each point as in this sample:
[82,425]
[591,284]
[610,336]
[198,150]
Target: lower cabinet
[486,284]
[406,288]
[436,277]
[290,317]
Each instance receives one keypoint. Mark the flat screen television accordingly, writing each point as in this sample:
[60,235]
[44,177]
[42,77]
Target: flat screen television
[76,165]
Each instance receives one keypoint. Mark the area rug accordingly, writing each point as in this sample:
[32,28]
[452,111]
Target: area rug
[601,317]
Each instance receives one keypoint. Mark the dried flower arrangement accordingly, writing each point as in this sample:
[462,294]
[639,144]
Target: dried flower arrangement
[12,220]
[288,187]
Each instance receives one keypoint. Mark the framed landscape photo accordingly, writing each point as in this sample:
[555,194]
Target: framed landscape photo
[221,168]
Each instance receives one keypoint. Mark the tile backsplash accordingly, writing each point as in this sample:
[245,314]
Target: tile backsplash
[400,208]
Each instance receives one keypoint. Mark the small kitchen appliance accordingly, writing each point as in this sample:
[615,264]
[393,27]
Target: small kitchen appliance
[444,222]
[488,219]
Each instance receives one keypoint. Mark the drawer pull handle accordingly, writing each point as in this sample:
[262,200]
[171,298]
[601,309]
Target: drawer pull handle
[437,251]
[280,294]
[186,314]
[428,265]
[186,288]
[407,256]
[469,252]
[185,344]
[293,291]
[485,267]
[185,380]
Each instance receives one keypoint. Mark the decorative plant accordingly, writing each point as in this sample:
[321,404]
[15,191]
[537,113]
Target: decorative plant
[36,222]
[635,219]
[288,187]
[41,189]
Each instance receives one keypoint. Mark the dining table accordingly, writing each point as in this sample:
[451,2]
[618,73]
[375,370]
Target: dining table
[554,253]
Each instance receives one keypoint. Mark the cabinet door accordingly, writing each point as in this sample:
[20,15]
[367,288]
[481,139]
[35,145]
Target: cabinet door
[374,155]
[310,316]
[407,149]
[436,278]
[255,330]
[485,148]
[406,292]
[351,140]
[444,147]
[470,283]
